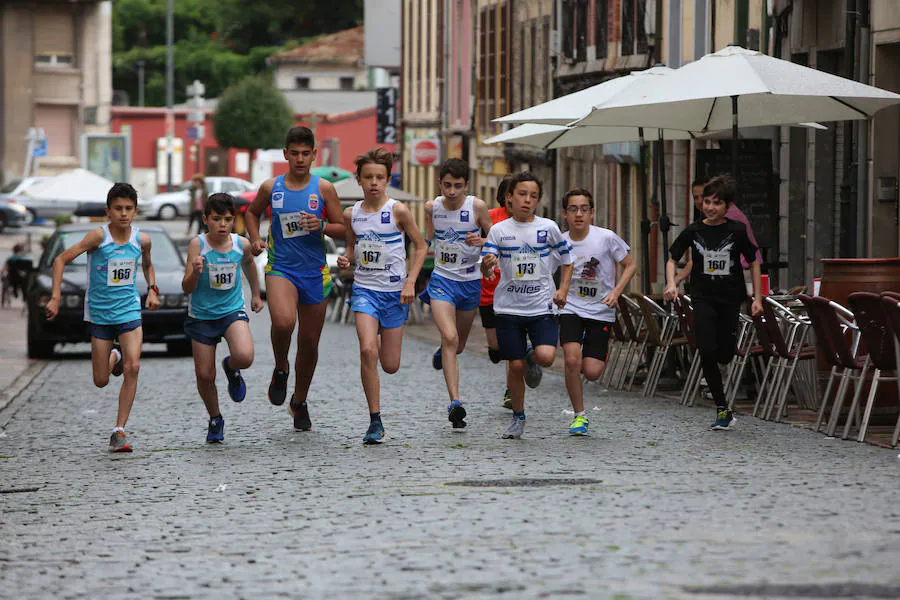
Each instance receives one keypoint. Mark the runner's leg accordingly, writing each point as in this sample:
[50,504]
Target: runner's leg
[390,349]
[444,315]
[281,296]
[205,370]
[367,332]
[240,345]
[131,351]
[101,360]
[312,319]
[572,354]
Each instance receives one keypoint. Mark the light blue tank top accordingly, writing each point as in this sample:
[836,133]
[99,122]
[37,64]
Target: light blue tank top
[292,248]
[218,292]
[112,297]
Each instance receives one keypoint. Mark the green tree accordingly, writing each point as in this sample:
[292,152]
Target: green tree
[252,115]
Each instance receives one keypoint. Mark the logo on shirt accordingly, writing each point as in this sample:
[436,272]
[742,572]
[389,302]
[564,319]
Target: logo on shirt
[464,216]
[371,236]
[589,269]
[542,236]
[313,202]
[386,216]
[507,238]
[451,236]
[277,199]
[526,249]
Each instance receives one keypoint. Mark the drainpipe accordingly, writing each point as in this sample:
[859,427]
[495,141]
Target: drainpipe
[862,138]
[845,216]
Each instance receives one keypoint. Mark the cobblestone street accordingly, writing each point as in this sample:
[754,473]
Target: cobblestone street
[651,505]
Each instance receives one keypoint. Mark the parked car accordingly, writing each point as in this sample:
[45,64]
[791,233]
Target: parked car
[165,325]
[169,205]
[331,255]
[13,189]
[13,214]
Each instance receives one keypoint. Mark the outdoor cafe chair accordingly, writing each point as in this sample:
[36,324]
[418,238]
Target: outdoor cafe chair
[871,318]
[837,342]
[661,326]
[618,343]
[787,334]
[633,320]
[891,303]
[746,349]
[684,308]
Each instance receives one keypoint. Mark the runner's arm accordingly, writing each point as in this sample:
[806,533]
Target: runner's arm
[347,260]
[429,222]
[335,226]
[254,215]
[256,302]
[90,242]
[483,220]
[406,223]
[193,267]
[149,272]
[629,268]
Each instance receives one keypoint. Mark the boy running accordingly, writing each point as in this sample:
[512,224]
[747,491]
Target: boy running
[717,245]
[298,279]
[453,222]
[216,309]
[588,316]
[382,289]
[112,305]
[523,247]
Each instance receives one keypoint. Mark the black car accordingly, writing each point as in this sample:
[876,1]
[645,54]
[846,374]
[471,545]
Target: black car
[165,325]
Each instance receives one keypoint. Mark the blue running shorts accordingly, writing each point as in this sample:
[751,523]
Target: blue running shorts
[211,331]
[463,295]
[384,306]
[111,332]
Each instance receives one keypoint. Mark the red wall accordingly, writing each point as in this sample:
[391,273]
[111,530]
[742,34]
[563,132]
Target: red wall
[355,133]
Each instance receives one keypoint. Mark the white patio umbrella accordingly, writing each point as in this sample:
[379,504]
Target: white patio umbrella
[560,136]
[736,87]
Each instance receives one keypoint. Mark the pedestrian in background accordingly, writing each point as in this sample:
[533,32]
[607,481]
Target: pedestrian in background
[198,194]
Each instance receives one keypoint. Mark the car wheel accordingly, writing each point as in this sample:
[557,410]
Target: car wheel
[30,217]
[167,212]
[37,348]
[181,348]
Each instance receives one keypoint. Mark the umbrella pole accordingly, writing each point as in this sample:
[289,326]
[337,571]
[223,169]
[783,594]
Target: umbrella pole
[734,146]
[645,222]
[664,223]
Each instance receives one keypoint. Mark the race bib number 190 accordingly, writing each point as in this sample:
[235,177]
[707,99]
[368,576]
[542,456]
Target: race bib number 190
[119,272]
[587,288]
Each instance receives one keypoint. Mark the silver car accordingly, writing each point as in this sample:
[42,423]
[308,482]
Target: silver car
[170,205]
[14,188]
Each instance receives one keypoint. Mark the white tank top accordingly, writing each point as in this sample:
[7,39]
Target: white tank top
[380,249]
[453,258]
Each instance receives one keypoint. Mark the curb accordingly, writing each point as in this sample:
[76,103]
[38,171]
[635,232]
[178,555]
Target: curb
[19,384]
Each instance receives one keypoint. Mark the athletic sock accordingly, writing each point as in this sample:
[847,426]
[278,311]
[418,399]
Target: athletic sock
[494,355]
[580,414]
[375,417]
[519,415]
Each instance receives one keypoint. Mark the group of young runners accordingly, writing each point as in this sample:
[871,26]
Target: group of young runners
[500,262]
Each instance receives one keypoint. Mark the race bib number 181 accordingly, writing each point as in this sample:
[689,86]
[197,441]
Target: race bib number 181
[222,277]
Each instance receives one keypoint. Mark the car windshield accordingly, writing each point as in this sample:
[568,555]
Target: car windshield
[165,254]
[10,187]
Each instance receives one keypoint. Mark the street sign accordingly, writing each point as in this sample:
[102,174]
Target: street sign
[196,132]
[424,152]
[39,150]
[196,116]
[386,113]
[196,89]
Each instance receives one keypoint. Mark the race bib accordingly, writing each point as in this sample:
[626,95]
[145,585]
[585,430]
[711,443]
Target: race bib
[291,226]
[717,262]
[447,253]
[119,272]
[371,254]
[222,276]
[526,267]
[588,289]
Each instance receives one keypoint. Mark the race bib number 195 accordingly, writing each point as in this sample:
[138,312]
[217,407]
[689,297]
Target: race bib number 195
[291,225]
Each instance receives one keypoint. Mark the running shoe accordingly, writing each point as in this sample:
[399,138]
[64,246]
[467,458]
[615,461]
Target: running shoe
[300,412]
[437,360]
[724,420]
[456,414]
[119,367]
[118,442]
[579,425]
[507,400]
[278,387]
[237,389]
[375,433]
[534,373]
[216,432]
[515,430]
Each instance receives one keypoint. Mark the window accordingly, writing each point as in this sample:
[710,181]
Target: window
[565,34]
[54,36]
[54,60]
[301,83]
[634,27]
[346,83]
[601,27]
[581,24]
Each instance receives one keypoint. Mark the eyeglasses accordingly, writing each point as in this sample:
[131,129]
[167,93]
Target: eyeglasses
[585,208]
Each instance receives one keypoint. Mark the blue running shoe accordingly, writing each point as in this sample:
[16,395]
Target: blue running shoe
[437,359]
[216,432]
[724,420]
[456,414]
[579,425]
[375,433]
[237,389]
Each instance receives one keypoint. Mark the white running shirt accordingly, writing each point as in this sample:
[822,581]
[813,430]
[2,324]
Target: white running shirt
[596,258]
[453,258]
[380,249]
[526,252]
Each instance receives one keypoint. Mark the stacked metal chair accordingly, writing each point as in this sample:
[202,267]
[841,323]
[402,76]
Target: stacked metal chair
[661,327]
[891,303]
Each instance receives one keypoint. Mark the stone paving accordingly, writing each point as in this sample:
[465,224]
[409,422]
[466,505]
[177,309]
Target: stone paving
[651,505]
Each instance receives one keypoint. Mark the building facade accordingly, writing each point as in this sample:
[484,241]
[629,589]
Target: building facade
[56,75]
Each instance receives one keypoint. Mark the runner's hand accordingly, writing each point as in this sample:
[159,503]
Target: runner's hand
[152,300]
[310,222]
[258,247]
[409,293]
[473,239]
[256,304]
[755,308]
[671,292]
[343,262]
[197,264]
[559,299]
[611,299]
[52,308]
[488,262]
